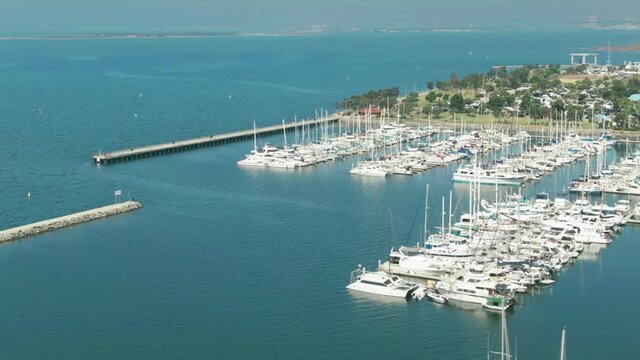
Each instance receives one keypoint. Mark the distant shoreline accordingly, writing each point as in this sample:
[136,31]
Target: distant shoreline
[138,36]
[623,48]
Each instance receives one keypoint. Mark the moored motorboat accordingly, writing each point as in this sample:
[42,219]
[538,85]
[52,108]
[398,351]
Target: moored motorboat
[435,297]
[623,207]
[468,173]
[380,283]
[547,281]
[497,303]
[475,289]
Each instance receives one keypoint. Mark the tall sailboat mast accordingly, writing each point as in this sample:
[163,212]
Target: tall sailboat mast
[563,345]
[284,132]
[255,140]
[426,211]
[450,212]
[443,214]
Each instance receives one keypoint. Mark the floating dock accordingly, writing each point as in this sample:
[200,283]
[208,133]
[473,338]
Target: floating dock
[41,227]
[208,141]
[630,220]
[632,192]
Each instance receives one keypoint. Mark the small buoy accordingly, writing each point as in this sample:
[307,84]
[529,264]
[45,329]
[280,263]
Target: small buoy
[140,95]
[135,115]
[28,195]
[230,96]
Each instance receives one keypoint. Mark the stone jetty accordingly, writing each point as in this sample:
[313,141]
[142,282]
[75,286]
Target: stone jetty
[68,220]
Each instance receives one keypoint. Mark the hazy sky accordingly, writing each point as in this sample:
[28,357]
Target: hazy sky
[280,14]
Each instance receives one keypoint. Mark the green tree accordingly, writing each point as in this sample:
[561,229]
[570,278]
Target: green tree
[580,69]
[539,80]
[623,109]
[443,85]
[574,112]
[537,111]
[412,97]
[430,85]
[513,82]
[498,100]
[584,84]
[432,96]
[454,80]
[525,102]
[633,86]
[521,75]
[456,102]
[554,83]
[474,81]
[500,72]
[619,89]
[558,105]
[377,98]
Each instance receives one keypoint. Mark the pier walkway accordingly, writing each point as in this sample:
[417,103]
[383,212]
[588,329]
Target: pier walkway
[631,220]
[191,144]
[68,220]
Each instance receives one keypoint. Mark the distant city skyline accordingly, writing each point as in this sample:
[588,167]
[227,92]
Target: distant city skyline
[277,15]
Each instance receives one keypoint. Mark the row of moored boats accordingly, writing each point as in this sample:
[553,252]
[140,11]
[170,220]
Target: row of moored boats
[497,249]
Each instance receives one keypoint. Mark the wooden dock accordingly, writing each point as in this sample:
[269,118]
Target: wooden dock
[208,141]
[68,220]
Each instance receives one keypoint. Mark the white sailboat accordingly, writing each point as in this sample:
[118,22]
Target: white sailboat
[369,168]
[256,158]
[505,349]
[475,174]
[563,344]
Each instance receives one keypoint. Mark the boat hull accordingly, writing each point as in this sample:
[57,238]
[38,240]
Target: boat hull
[381,290]
[429,274]
[490,181]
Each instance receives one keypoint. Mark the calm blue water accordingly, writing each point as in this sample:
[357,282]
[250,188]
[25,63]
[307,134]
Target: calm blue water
[226,262]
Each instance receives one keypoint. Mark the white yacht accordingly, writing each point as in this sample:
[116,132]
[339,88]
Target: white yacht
[413,262]
[561,203]
[467,173]
[369,170]
[447,245]
[586,188]
[284,163]
[542,201]
[479,289]
[256,159]
[380,283]
[623,207]
[589,233]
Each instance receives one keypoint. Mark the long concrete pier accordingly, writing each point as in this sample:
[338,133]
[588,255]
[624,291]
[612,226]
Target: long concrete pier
[191,144]
[68,220]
